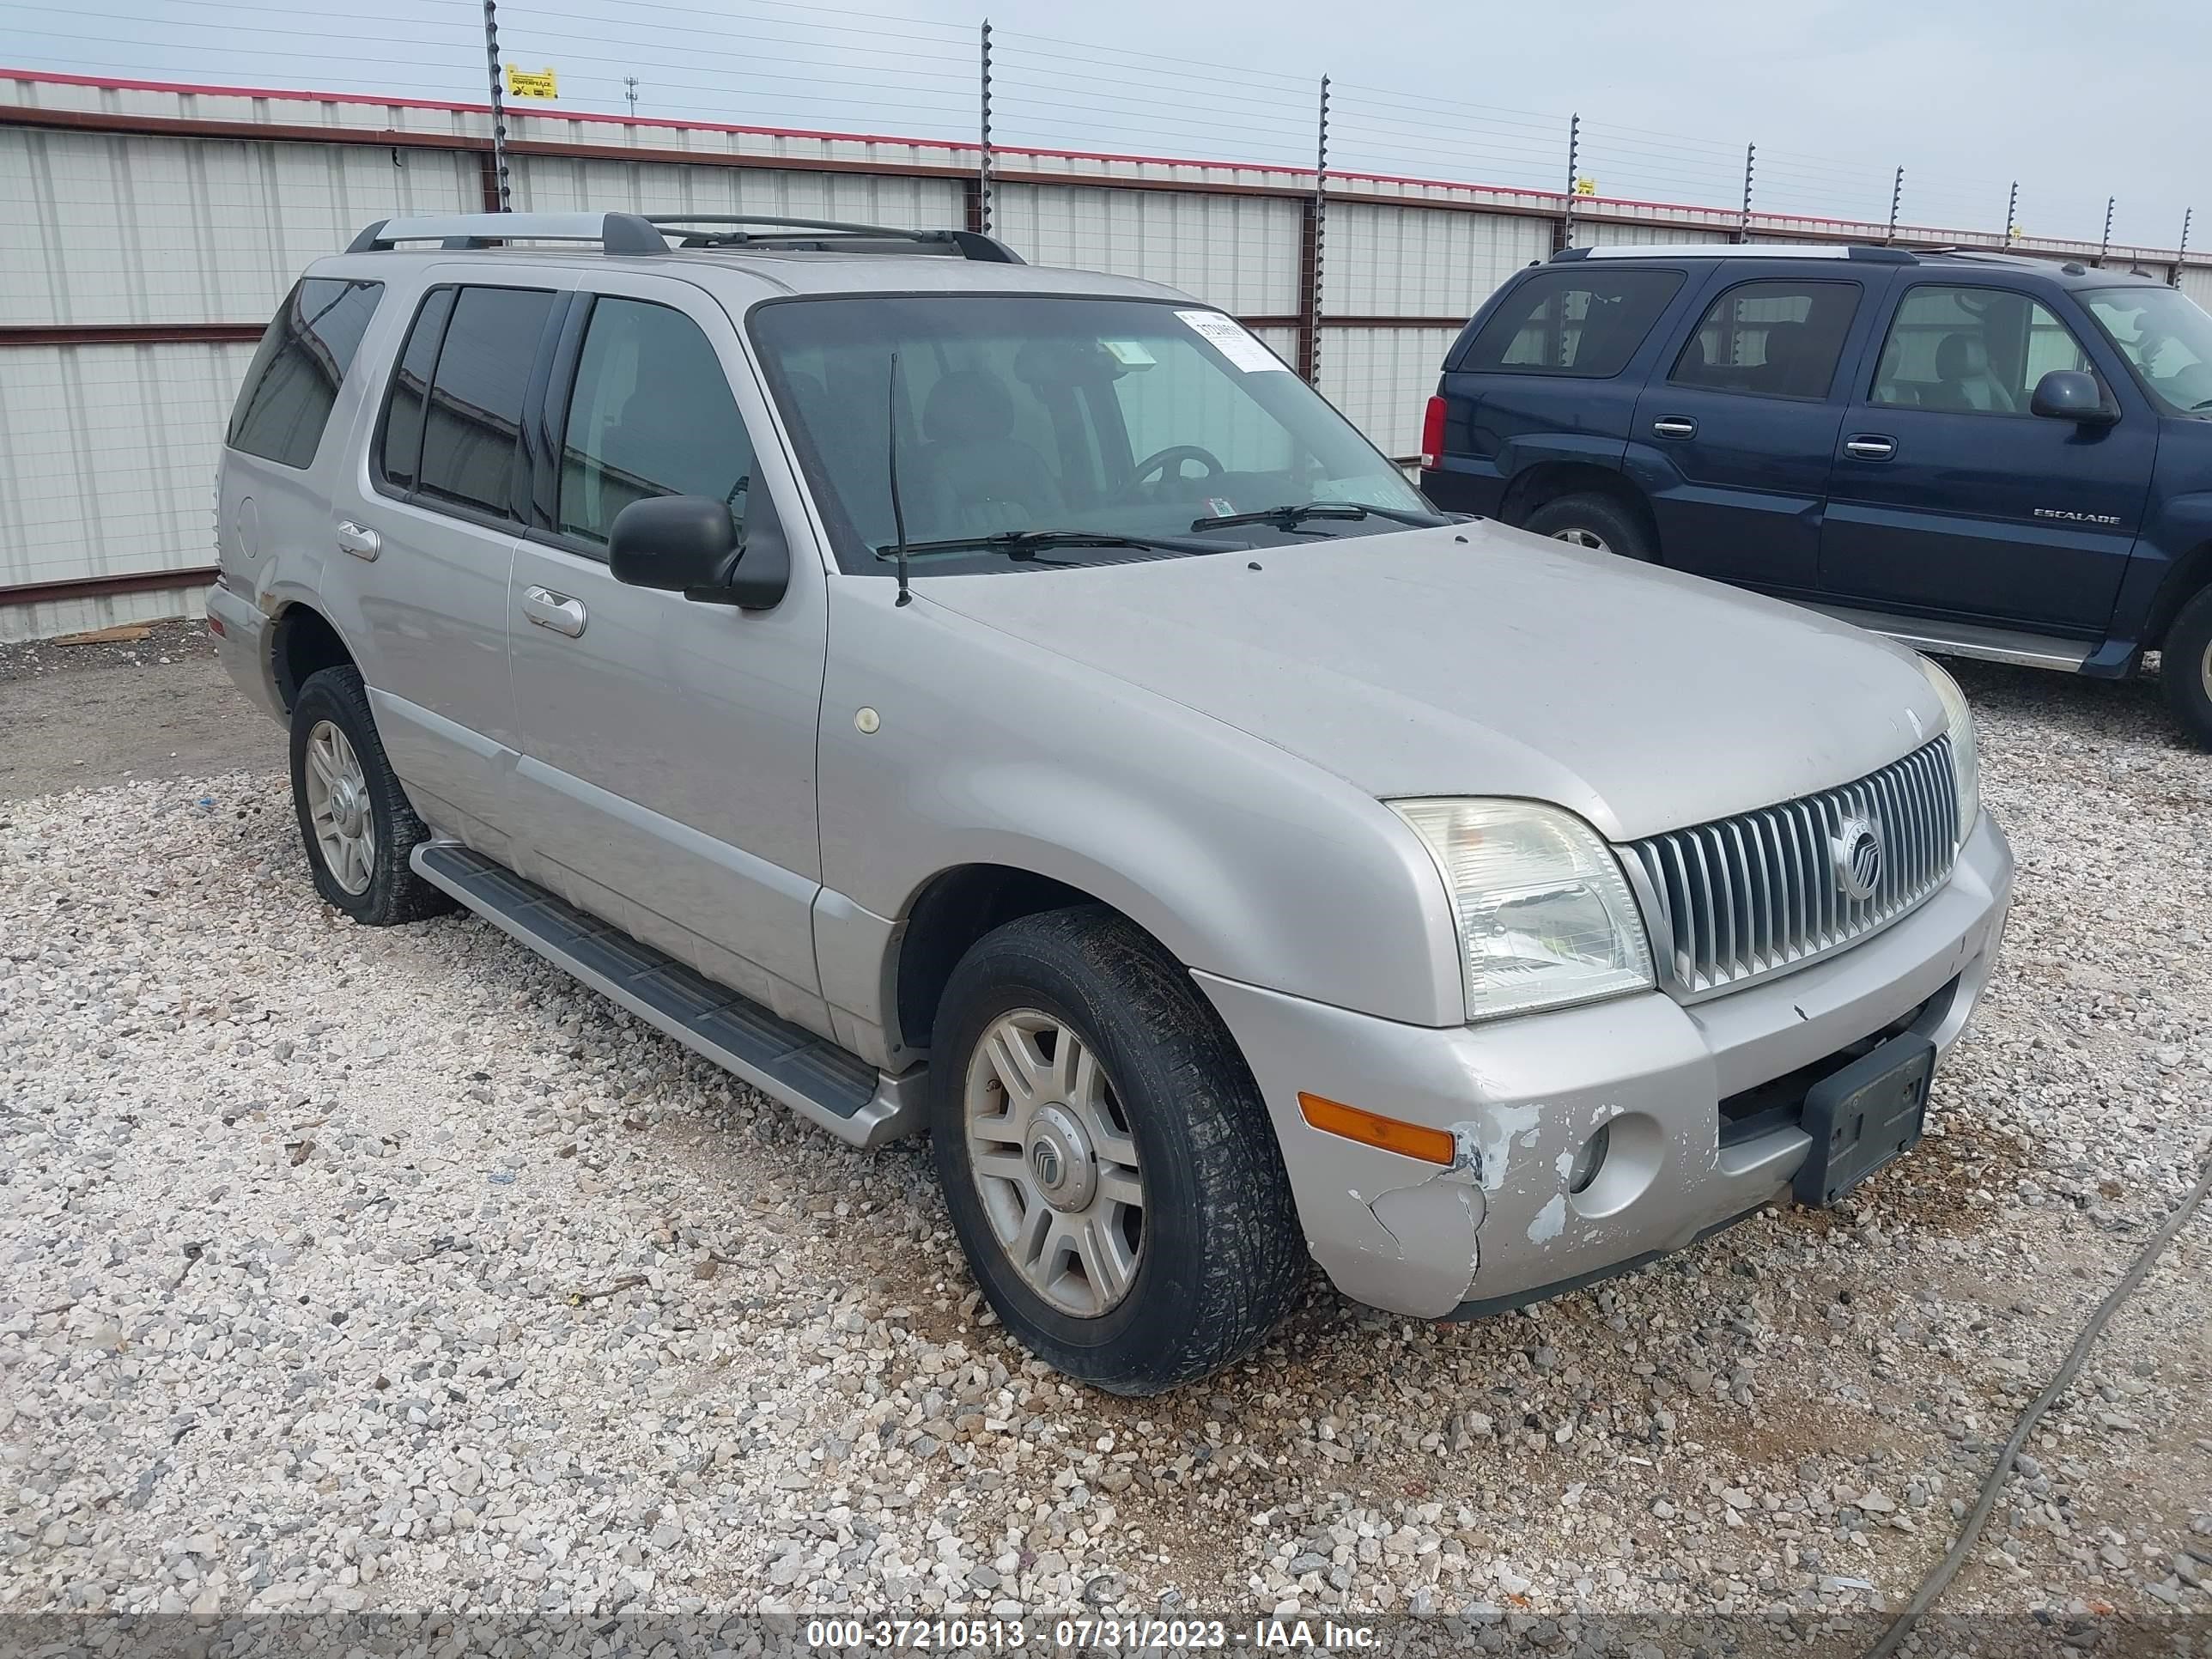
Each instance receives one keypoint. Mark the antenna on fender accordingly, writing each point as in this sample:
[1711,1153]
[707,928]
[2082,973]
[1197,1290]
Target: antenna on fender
[899,513]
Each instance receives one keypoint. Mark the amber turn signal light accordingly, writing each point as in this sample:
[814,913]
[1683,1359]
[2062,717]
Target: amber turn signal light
[1373,1129]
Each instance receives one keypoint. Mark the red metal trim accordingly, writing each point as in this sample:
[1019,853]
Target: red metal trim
[94,587]
[67,334]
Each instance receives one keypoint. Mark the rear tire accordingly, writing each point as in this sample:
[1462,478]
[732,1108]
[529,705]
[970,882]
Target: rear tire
[1596,522]
[2185,668]
[1156,1161]
[354,817]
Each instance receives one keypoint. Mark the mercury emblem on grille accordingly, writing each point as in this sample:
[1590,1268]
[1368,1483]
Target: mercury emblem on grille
[1857,849]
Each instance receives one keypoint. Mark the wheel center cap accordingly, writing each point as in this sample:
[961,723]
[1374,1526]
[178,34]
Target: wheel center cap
[1060,1158]
[346,806]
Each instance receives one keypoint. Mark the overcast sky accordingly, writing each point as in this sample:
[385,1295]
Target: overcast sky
[2076,101]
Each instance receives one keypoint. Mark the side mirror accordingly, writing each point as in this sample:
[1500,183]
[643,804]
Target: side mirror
[688,545]
[2069,394]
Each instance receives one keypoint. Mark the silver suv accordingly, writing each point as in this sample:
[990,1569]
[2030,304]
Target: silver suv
[953,694]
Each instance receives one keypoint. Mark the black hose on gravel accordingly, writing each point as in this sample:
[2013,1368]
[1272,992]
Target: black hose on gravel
[1937,1581]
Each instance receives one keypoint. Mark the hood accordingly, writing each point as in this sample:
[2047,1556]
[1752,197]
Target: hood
[1473,660]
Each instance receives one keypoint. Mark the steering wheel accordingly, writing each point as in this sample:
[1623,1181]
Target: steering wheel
[1169,463]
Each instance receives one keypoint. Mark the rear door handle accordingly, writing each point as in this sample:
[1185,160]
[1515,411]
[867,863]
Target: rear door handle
[555,610]
[1674,426]
[358,539]
[1870,446]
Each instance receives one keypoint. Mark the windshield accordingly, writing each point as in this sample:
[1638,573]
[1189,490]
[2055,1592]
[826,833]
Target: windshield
[2167,339]
[1115,418]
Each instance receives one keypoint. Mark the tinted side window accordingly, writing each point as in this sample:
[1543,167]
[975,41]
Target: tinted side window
[1583,321]
[1971,351]
[650,415]
[400,443]
[1778,339]
[294,381]
[475,411]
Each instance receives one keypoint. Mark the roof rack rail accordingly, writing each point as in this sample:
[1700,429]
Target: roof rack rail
[699,230]
[636,234]
[1865,251]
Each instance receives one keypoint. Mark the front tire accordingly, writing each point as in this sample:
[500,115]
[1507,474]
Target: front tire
[2185,668]
[1107,1162]
[354,819]
[1596,522]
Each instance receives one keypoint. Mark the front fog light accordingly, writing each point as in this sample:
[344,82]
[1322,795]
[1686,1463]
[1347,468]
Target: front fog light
[1591,1159]
[1544,915]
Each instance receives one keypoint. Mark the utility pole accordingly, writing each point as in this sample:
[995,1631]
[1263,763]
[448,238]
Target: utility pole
[500,190]
[983,156]
[1743,225]
[629,91]
[2012,214]
[1574,175]
[1317,234]
[2181,253]
[1896,201]
[2105,246]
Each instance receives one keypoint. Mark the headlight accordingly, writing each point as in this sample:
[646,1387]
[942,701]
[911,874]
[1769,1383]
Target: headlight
[1966,760]
[1544,915]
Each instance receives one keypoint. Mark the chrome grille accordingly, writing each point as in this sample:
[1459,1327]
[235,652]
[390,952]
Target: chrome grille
[1740,898]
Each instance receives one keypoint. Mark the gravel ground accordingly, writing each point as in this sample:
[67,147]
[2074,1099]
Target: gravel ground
[392,1271]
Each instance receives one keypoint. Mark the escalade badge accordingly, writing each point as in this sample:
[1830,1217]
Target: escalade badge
[1857,850]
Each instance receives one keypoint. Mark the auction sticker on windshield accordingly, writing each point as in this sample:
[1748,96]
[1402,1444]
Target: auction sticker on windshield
[1232,340]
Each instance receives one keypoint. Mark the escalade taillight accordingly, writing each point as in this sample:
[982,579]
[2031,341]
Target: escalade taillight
[1432,434]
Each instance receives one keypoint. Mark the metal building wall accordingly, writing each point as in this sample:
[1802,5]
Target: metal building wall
[1240,253]
[153,229]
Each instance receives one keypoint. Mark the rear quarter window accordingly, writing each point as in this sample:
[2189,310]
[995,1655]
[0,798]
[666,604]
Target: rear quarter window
[293,382]
[1581,321]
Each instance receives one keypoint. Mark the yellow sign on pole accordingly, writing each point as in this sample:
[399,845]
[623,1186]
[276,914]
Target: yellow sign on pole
[533,83]
[1583,186]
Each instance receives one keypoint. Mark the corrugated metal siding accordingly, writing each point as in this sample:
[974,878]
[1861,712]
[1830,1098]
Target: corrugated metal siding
[1240,253]
[1382,379]
[2197,283]
[116,229]
[54,617]
[1613,235]
[1412,261]
[560,184]
[107,456]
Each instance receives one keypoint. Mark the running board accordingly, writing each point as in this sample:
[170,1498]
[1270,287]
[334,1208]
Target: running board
[815,1079]
[1949,639]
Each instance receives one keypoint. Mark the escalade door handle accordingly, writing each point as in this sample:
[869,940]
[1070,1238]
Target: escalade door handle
[1870,446]
[555,610]
[1674,426]
[358,539]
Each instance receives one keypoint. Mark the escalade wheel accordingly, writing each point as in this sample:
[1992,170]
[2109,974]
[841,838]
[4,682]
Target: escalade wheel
[354,817]
[1107,1162]
[2186,667]
[1597,522]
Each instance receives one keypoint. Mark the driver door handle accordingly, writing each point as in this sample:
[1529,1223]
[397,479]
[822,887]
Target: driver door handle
[1870,446]
[555,610]
[1674,426]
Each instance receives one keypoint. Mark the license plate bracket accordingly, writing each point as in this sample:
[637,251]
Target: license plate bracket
[1861,1117]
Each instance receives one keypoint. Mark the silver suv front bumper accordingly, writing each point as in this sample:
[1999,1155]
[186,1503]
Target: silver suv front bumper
[1406,1236]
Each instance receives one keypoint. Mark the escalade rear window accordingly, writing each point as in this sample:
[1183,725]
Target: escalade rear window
[293,382]
[1581,321]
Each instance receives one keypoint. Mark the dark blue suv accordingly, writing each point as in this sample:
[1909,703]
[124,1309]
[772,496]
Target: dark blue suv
[1980,454]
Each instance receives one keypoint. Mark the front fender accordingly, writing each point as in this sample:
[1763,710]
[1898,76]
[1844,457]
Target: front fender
[1241,859]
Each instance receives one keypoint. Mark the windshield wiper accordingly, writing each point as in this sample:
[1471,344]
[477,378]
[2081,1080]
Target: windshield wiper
[1290,517]
[1027,544]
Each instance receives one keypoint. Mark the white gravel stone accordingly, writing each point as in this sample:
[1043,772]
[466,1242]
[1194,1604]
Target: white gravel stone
[385,1271]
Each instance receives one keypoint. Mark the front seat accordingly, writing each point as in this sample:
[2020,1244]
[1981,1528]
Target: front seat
[1963,382]
[981,477]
